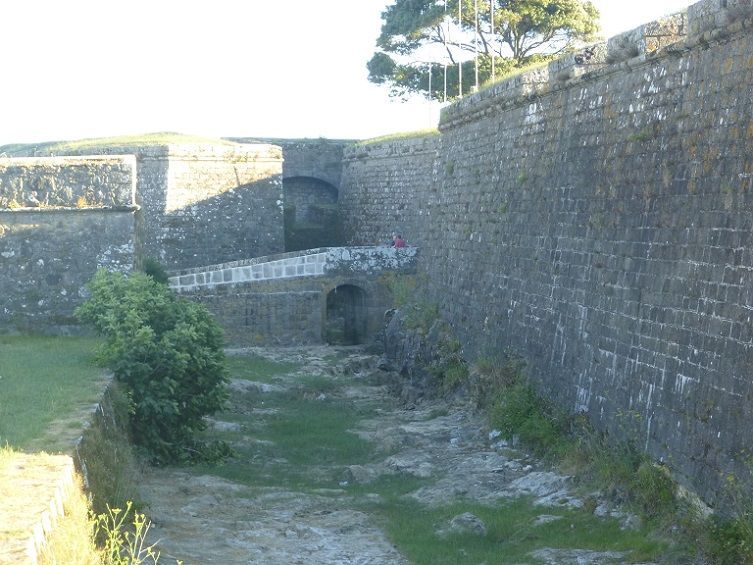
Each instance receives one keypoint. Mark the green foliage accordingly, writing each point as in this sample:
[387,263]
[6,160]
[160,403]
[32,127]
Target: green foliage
[168,353]
[401,287]
[653,490]
[106,447]
[155,269]
[524,32]
[449,366]
[515,408]
[728,539]
[523,413]
[421,315]
[493,376]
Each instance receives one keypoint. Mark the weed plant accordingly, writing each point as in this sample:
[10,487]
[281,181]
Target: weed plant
[122,537]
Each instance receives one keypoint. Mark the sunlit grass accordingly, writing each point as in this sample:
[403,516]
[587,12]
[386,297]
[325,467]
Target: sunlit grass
[135,140]
[156,138]
[72,541]
[44,380]
[430,132]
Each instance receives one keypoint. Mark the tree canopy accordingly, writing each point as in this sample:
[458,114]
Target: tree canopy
[425,42]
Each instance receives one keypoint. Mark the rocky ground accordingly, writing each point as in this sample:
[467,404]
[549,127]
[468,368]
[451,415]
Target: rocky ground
[403,483]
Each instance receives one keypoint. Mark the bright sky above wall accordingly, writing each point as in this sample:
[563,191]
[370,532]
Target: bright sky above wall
[278,68]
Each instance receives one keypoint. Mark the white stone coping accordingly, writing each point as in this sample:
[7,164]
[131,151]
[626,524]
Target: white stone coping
[325,261]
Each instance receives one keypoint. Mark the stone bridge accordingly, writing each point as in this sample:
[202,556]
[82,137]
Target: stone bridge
[328,295]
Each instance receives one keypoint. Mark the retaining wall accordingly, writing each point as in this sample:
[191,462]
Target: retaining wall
[596,215]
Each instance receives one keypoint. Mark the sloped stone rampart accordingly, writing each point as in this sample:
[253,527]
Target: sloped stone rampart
[601,224]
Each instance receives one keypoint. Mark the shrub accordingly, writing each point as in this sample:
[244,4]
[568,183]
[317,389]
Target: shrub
[518,410]
[728,538]
[491,376]
[449,367]
[653,490]
[168,353]
[155,269]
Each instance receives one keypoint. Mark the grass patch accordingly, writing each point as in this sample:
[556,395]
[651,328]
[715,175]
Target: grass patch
[156,138]
[257,368]
[301,426]
[416,134]
[510,533]
[95,143]
[72,540]
[44,380]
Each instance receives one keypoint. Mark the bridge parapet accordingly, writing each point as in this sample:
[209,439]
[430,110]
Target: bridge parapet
[309,263]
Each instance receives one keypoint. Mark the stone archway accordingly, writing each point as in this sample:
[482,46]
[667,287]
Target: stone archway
[311,214]
[346,320]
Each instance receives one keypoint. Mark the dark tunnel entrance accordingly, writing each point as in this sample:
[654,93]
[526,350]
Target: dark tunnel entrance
[312,218]
[346,322]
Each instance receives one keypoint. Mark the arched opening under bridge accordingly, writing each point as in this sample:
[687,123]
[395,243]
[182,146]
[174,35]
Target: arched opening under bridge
[346,316]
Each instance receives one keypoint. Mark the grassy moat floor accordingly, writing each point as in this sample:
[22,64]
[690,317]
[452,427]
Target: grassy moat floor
[329,468]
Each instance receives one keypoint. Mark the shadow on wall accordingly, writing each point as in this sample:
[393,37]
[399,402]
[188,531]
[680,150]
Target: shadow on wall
[312,217]
[346,316]
[240,223]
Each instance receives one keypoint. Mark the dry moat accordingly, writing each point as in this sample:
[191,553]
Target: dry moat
[330,467]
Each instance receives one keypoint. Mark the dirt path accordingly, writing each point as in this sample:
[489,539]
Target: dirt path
[329,469]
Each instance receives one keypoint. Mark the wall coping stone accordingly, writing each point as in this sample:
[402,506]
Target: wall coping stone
[319,262]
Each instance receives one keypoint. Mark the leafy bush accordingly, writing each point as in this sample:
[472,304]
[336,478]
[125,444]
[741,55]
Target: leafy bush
[168,353]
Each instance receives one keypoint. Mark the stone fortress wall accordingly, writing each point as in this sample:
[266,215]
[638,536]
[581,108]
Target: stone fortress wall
[60,219]
[205,203]
[185,205]
[596,216]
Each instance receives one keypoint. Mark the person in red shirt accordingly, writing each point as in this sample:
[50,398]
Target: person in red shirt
[398,241]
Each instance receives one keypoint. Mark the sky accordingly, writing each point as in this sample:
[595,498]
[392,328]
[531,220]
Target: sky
[73,69]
